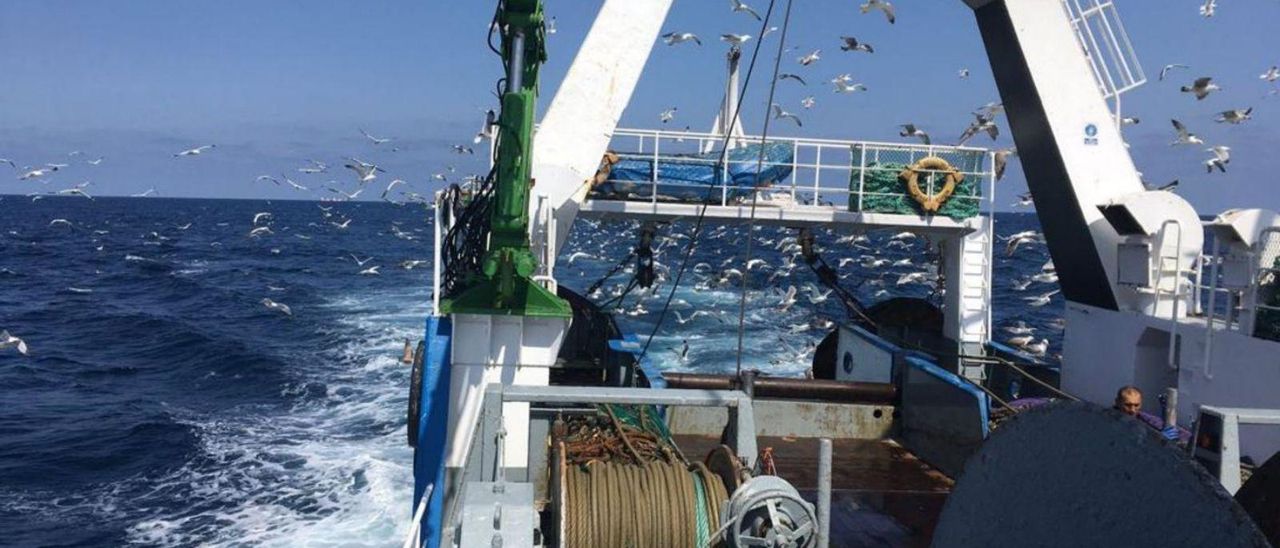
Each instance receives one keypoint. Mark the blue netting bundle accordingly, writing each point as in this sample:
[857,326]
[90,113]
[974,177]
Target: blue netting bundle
[697,177]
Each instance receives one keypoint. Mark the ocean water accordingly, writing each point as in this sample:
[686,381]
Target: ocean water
[163,405]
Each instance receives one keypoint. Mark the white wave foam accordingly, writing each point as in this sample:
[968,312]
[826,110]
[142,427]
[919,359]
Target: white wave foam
[332,471]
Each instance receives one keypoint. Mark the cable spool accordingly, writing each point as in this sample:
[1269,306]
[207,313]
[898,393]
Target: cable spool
[659,504]
[768,511]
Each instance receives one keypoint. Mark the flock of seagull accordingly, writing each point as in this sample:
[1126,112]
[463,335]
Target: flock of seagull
[984,117]
[262,223]
[890,271]
[842,83]
[878,264]
[364,173]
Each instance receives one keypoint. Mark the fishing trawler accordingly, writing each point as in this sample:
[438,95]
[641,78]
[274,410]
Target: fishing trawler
[537,421]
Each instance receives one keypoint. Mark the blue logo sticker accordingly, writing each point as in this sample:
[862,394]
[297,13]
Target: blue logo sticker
[1090,134]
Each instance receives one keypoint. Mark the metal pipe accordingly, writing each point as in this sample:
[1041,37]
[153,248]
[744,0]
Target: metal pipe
[824,492]
[777,387]
[515,71]
[1170,407]
[1213,294]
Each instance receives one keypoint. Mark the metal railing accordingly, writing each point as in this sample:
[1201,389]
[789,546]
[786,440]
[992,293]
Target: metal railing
[1106,45]
[818,172]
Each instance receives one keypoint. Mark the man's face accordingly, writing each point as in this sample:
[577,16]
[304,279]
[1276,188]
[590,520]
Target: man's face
[1129,403]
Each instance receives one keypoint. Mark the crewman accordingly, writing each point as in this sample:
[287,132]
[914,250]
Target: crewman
[1129,402]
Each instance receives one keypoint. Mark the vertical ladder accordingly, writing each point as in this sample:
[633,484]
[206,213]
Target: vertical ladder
[968,297]
[976,292]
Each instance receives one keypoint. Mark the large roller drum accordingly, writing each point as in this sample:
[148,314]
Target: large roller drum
[1075,474]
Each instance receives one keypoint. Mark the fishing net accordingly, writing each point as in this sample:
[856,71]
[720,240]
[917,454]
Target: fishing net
[883,191]
[697,177]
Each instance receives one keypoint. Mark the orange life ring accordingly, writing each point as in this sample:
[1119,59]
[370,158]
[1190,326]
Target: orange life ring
[931,202]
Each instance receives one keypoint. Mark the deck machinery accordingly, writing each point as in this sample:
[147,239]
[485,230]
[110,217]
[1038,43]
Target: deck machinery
[537,422]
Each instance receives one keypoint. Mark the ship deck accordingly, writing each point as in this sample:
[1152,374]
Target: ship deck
[882,495]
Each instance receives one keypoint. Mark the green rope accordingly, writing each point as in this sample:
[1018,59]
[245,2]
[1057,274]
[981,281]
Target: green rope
[700,510]
[643,418]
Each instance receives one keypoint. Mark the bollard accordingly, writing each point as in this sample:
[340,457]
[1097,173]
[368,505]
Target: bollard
[824,492]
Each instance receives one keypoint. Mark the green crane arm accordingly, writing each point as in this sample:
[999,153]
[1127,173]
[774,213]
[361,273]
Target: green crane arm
[506,286]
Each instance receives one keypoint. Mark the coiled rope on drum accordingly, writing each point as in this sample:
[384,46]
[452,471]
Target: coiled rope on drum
[656,504]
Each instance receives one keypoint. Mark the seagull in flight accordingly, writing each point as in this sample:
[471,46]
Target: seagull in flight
[852,44]
[788,299]
[1201,88]
[1019,328]
[374,140]
[795,77]
[1207,10]
[351,196]
[1040,300]
[1235,116]
[846,87]
[807,102]
[980,124]
[279,307]
[366,171]
[1272,74]
[963,73]
[196,151]
[910,130]
[8,161]
[667,115]
[315,167]
[10,341]
[268,178]
[1165,71]
[259,217]
[1002,161]
[881,5]
[735,40]
[810,58]
[392,185]
[683,320]
[673,38]
[371,271]
[779,113]
[149,192]
[360,261]
[37,173]
[1221,157]
[738,6]
[462,149]
[77,190]
[1185,137]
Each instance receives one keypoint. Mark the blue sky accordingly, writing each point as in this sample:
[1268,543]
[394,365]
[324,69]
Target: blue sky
[275,83]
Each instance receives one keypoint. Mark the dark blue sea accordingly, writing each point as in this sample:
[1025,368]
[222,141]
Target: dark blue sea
[163,404]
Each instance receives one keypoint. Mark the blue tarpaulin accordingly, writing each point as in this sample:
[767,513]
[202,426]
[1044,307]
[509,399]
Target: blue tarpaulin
[698,177]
